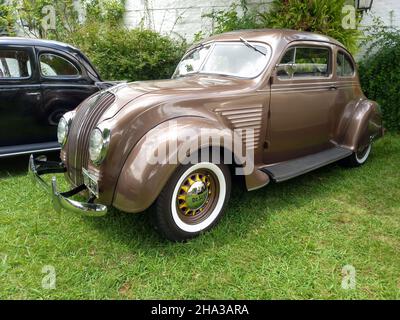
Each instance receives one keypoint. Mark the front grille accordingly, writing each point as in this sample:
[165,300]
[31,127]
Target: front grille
[86,119]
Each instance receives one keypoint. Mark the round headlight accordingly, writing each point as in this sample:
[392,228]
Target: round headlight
[62,131]
[98,145]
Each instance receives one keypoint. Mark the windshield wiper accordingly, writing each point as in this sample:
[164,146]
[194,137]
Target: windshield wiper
[251,46]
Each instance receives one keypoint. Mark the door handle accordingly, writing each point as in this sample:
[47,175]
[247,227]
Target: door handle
[333,88]
[33,93]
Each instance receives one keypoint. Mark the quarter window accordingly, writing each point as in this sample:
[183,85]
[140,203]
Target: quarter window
[345,67]
[14,64]
[52,65]
[304,62]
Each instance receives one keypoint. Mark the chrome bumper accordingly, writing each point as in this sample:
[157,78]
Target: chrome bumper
[40,166]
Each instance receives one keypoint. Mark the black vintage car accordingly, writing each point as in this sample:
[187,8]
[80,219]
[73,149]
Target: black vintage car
[40,80]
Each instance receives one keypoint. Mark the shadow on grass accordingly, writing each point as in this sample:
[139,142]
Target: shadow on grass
[246,211]
[18,165]
[239,219]
[241,216]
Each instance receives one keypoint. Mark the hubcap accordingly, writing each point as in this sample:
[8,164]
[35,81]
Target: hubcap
[196,196]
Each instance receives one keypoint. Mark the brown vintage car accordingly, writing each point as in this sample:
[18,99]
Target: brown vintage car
[277,103]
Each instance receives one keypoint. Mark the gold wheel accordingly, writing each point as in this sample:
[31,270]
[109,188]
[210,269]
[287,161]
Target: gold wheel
[197,196]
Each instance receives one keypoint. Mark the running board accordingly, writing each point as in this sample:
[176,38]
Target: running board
[289,169]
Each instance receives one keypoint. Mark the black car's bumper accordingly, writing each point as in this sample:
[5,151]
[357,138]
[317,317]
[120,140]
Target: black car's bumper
[40,166]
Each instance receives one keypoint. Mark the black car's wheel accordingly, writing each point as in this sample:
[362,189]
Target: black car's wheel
[358,158]
[192,201]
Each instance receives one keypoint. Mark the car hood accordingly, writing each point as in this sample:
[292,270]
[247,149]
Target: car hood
[164,89]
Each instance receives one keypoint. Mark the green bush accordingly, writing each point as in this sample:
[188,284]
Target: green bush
[321,16]
[7,19]
[117,53]
[122,54]
[380,74]
[230,19]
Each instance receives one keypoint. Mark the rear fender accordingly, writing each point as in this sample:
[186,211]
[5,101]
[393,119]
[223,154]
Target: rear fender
[364,126]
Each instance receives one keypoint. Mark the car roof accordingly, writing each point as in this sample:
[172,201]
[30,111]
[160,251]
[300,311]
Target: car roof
[19,41]
[273,35]
[37,42]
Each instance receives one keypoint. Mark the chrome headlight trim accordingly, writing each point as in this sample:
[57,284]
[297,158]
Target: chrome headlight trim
[98,157]
[66,121]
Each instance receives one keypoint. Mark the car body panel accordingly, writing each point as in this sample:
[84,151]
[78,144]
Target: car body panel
[291,119]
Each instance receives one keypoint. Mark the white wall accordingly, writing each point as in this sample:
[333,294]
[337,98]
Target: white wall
[176,17]
[387,10]
[185,17]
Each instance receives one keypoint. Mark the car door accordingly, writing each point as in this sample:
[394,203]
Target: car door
[64,83]
[20,97]
[303,96]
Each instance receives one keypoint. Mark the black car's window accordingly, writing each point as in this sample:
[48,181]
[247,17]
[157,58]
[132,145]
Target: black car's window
[345,67]
[52,65]
[304,62]
[14,64]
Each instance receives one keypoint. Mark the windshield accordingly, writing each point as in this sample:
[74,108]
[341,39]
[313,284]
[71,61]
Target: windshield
[232,58]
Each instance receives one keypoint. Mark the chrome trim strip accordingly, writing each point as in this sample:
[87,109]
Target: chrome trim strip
[28,152]
[61,202]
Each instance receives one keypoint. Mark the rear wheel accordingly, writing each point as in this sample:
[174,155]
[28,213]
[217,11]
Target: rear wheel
[359,157]
[192,201]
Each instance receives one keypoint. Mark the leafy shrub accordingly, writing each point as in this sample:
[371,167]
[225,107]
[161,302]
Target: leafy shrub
[230,19]
[122,54]
[321,16]
[7,19]
[117,53]
[380,73]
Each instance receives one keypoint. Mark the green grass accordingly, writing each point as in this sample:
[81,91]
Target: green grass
[287,240]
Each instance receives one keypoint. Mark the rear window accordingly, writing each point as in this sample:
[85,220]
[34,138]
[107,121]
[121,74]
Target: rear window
[345,67]
[52,65]
[14,64]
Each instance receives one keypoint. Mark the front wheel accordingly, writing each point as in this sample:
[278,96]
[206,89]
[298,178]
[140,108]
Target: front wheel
[192,201]
[359,157]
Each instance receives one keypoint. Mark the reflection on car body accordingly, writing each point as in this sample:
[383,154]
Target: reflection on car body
[295,104]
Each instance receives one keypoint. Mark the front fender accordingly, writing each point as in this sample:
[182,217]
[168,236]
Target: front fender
[364,126]
[142,178]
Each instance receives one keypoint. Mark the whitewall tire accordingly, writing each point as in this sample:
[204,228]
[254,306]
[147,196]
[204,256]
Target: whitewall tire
[192,201]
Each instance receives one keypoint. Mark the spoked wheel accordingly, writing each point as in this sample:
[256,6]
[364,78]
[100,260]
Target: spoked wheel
[359,157]
[193,200]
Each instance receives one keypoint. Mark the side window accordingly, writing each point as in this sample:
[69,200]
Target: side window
[345,67]
[14,64]
[305,62]
[52,65]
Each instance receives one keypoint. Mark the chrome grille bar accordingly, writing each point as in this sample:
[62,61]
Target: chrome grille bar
[86,119]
